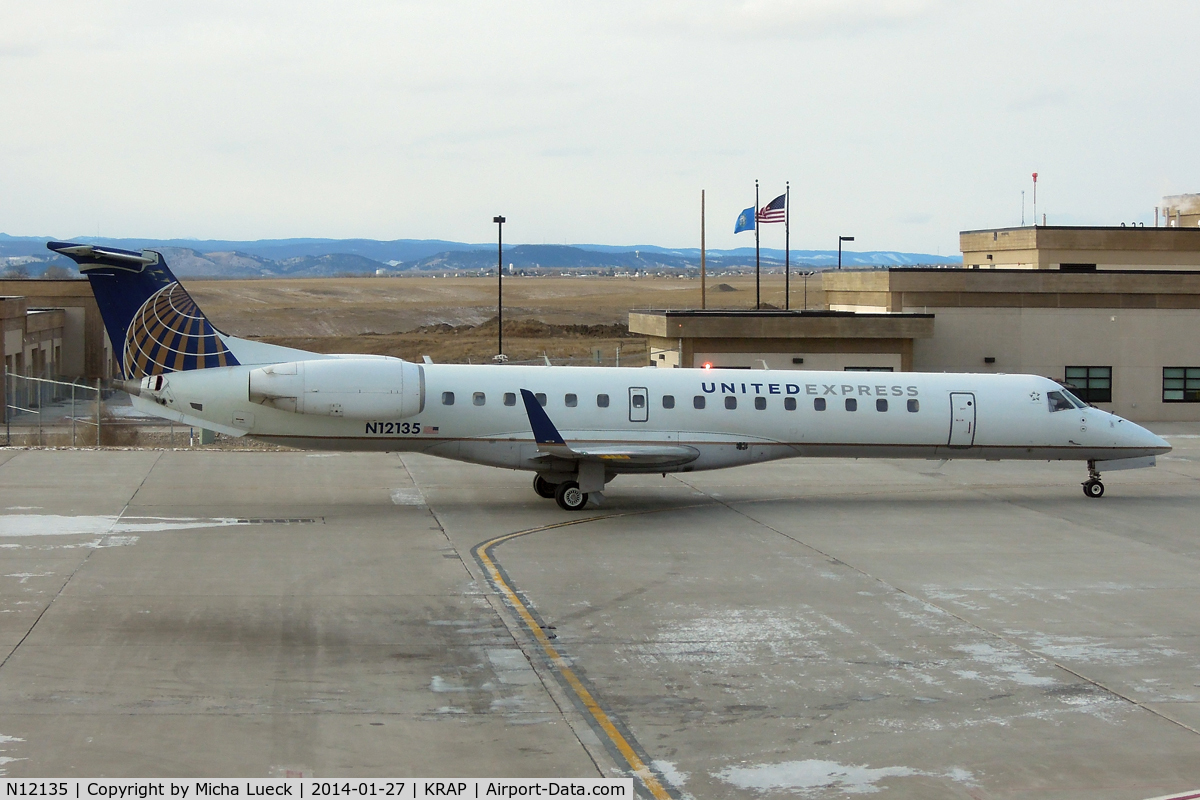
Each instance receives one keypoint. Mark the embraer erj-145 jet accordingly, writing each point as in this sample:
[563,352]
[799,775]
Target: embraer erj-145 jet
[576,428]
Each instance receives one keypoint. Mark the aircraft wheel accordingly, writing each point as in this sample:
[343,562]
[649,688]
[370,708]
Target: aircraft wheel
[543,487]
[1093,488]
[569,497]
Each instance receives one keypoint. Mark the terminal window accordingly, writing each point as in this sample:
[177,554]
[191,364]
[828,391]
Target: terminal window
[1181,385]
[1090,384]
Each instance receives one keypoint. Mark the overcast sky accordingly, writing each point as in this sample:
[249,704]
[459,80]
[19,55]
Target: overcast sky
[900,122]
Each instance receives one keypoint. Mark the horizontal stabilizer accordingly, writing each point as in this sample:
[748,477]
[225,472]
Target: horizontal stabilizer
[89,256]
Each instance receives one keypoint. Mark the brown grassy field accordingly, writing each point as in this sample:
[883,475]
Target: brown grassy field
[453,319]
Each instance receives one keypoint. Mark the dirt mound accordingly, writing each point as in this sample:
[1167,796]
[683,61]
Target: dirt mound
[725,287]
[529,329]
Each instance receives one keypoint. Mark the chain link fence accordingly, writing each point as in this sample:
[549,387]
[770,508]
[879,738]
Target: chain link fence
[43,412]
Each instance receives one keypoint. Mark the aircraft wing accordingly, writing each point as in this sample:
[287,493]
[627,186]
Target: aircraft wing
[551,444]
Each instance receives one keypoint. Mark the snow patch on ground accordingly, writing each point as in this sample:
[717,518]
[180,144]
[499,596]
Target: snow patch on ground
[7,759]
[24,525]
[1011,663]
[1092,650]
[670,773]
[737,636]
[408,497]
[808,777]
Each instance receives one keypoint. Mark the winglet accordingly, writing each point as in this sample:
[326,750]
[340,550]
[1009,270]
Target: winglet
[544,432]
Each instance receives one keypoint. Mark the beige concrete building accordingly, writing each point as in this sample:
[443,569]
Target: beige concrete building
[1082,249]
[33,338]
[1127,340]
[782,339]
[1181,211]
[1114,312]
[60,329]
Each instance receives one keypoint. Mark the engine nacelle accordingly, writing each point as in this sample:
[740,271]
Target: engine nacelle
[355,388]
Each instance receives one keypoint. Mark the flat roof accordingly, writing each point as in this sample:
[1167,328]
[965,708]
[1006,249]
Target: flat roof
[1081,228]
[764,324]
[774,313]
[1015,271]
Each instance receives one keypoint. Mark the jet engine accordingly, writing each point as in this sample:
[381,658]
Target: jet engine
[355,388]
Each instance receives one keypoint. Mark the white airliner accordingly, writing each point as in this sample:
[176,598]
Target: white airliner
[576,428]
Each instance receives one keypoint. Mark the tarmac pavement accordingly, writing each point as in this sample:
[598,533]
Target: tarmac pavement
[808,628]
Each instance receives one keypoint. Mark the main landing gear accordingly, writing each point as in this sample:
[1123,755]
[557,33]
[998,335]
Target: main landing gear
[566,494]
[1092,487]
[543,487]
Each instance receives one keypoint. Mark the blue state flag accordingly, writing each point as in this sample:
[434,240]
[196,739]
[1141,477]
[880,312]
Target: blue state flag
[745,221]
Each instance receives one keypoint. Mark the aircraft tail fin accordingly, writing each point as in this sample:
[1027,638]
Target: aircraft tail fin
[153,323]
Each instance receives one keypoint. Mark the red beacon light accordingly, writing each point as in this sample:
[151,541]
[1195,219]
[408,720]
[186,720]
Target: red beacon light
[707,365]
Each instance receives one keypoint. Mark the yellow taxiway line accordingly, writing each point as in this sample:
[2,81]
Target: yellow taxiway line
[482,552]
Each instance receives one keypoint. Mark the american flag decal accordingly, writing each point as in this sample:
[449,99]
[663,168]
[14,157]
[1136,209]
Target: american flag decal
[431,429]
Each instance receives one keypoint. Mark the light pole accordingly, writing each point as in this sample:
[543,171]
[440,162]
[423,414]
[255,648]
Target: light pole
[840,240]
[499,287]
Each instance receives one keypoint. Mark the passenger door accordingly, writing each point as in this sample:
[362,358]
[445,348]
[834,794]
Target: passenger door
[962,419]
[639,404]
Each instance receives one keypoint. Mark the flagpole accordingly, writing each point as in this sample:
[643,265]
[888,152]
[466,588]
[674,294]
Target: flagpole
[703,301]
[787,249]
[757,292]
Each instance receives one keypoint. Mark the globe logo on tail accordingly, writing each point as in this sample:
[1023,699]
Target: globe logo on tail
[170,334]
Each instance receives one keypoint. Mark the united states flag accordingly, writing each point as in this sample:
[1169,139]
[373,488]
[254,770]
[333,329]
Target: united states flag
[774,211]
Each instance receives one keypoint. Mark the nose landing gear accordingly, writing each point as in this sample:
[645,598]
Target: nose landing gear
[1092,487]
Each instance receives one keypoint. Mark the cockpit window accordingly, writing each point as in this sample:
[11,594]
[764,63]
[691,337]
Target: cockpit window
[1078,403]
[1058,402]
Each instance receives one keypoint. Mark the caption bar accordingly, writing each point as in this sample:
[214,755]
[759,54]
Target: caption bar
[143,789]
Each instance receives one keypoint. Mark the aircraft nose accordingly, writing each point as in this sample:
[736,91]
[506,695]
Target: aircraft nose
[1158,442]
[1152,442]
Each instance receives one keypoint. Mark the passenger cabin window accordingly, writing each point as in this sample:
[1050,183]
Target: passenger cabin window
[851,404]
[881,404]
[510,398]
[760,403]
[1058,402]
[668,401]
[570,400]
[730,402]
[638,400]
[789,404]
[819,404]
[601,401]
[914,406]
[698,401]
[479,398]
[447,398]
[541,398]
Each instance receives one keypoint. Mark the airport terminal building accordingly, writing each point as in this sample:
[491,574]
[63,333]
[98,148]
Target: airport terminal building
[1114,312]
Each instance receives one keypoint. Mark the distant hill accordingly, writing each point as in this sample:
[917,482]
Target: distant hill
[191,258]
